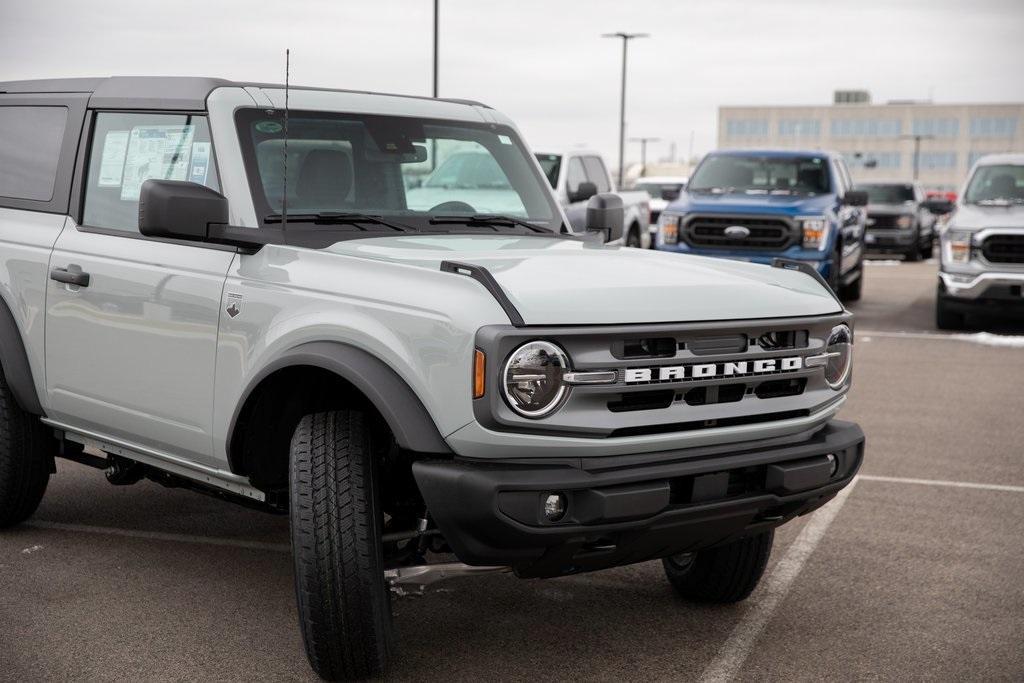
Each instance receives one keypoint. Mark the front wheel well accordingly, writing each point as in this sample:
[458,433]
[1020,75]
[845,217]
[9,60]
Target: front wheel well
[259,443]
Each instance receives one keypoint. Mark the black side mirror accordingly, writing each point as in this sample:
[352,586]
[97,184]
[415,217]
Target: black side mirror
[180,210]
[585,191]
[856,198]
[606,215]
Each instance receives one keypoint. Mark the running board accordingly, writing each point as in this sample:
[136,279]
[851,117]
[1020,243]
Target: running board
[159,460]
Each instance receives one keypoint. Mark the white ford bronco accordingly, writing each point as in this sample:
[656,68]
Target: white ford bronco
[206,287]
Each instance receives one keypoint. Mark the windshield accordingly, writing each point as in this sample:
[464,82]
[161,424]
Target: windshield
[753,174]
[405,170]
[550,164]
[1000,184]
[667,191]
[893,193]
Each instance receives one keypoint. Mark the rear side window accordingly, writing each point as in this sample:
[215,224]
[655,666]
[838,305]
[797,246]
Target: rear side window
[30,142]
[128,149]
[597,173]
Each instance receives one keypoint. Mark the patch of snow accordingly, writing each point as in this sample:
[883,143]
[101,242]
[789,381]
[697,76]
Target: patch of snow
[29,551]
[882,262]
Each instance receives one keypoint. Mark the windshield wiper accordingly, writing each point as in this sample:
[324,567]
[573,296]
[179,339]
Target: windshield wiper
[336,218]
[486,220]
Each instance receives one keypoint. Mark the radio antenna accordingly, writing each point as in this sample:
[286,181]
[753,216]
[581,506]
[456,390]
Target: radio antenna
[284,196]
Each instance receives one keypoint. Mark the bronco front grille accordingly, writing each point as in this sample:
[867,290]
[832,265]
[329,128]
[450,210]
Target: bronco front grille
[1003,248]
[762,232]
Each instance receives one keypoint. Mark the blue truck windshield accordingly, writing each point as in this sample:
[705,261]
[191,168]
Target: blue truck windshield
[762,175]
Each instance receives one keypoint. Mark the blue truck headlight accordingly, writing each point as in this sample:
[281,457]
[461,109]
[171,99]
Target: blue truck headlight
[532,379]
[815,232]
[668,227]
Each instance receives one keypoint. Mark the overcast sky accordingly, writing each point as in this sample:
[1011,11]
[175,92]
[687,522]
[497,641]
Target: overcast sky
[543,62]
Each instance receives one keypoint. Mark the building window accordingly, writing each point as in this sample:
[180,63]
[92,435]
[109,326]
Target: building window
[865,128]
[994,127]
[873,159]
[938,160]
[746,127]
[801,128]
[940,128]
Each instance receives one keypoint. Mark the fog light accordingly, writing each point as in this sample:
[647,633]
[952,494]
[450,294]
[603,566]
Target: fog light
[833,464]
[554,507]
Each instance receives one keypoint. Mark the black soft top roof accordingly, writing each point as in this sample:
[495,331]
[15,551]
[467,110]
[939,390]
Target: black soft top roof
[152,92]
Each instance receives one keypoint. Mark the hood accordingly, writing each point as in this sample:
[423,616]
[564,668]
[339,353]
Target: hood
[786,205]
[975,217]
[569,282]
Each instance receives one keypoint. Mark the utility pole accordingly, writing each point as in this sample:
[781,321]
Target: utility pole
[436,15]
[917,149]
[626,37]
[643,153]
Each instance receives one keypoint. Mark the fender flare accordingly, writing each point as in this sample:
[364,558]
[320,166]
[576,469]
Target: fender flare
[14,361]
[398,404]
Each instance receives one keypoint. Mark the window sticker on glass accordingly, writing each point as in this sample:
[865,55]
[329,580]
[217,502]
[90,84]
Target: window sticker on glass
[115,145]
[504,139]
[156,152]
[200,162]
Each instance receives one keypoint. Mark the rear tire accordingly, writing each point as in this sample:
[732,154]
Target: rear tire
[344,604]
[928,249]
[947,319]
[723,574]
[633,237]
[26,459]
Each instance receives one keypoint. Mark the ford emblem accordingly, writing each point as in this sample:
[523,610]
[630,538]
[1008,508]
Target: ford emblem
[737,232]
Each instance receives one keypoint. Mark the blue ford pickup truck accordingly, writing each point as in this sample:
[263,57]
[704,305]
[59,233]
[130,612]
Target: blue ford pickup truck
[761,205]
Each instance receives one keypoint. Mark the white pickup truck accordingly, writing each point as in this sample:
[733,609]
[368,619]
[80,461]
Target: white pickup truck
[578,175]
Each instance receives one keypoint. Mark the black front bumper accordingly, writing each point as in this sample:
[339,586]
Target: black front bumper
[632,508]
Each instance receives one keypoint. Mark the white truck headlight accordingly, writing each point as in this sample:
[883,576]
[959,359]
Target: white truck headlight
[815,232]
[956,246]
[532,379]
[668,227]
[839,351]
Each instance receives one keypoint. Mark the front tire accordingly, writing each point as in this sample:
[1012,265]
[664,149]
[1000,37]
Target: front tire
[723,574]
[946,318]
[25,460]
[633,237]
[344,604]
[852,291]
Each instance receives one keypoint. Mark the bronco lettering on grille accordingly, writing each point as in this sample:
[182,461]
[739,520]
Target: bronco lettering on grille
[669,373]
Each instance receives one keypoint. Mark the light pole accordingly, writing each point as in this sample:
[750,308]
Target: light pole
[626,37]
[436,14]
[643,154]
[917,148]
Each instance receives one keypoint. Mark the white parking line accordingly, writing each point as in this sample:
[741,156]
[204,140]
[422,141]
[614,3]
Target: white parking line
[160,536]
[766,600]
[983,338]
[942,482]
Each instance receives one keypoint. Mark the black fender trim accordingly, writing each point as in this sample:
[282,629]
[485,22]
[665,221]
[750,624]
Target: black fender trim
[14,361]
[484,277]
[808,269]
[409,421]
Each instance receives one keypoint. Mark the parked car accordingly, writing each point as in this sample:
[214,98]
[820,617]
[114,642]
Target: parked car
[473,179]
[405,383]
[577,176]
[757,206]
[982,245]
[662,190]
[900,219]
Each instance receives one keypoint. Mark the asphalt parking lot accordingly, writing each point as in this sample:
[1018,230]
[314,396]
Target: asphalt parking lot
[916,573]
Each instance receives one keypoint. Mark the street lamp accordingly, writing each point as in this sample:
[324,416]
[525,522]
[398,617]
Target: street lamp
[626,37]
[436,12]
[917,148]
[643,153]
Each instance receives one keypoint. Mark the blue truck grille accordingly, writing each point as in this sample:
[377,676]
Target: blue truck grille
[762,232]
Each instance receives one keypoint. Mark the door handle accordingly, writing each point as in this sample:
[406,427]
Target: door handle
[70,277]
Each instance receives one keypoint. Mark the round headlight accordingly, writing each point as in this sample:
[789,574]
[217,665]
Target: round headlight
[840,356]
[532,380]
